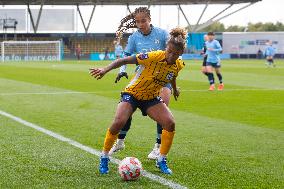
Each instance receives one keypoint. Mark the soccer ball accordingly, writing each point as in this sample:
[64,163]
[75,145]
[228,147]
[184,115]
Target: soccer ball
[130,168]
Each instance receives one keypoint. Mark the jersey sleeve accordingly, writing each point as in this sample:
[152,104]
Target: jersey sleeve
[218,47]
[130,47]
[204,48]
[181,65]
[129,50]
[146,58]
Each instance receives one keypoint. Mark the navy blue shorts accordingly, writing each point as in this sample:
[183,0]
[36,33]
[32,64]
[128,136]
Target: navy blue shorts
[214,65]
[143,105]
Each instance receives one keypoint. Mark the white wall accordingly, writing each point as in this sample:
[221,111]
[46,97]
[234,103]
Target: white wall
[250,42]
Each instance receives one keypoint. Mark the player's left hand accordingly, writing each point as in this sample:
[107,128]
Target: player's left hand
[97,73]
[176,93]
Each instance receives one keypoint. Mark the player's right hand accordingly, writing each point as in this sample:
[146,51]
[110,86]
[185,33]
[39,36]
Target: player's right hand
[97,73]
[120,75]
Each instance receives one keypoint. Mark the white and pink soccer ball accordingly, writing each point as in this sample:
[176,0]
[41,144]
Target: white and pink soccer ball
[130,168]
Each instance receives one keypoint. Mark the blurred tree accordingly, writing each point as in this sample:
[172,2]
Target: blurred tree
[215,27]
[236,28]
[251,27]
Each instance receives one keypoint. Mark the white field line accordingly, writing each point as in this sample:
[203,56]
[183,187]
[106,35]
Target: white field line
[99,92]
[93,151]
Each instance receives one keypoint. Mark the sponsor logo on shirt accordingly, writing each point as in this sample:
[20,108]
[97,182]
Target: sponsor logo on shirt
[143,56]
[170,76]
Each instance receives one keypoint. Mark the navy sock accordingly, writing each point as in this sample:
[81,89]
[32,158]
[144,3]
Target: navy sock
[159,133]
[125,129]
[220,78]
[205,73]
[211,78]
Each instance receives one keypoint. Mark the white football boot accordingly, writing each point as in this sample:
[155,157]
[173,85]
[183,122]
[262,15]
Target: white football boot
[154,154]
[118,145]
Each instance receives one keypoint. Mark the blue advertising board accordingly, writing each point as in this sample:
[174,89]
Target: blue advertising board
[111,56]
[101,56]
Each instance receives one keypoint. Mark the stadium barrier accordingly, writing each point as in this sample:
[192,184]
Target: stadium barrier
[199,57]
[101,56]
[111,56]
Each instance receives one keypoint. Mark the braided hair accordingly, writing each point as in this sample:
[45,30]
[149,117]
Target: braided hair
[178,38]
[129,22]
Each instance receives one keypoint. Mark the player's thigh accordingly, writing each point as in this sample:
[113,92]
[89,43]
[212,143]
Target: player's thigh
[161,114]
[123,111]
[209,68]
[218,70]
[166,95]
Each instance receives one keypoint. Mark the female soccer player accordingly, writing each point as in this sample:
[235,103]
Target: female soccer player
[147,38]
[269,53]
[78,52]
[118,50]
[213,61]
[156,69]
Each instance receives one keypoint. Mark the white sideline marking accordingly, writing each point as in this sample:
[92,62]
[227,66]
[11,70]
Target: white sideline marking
[147,174]
[98,92]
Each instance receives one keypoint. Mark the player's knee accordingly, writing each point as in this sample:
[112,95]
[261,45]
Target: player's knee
[203,70]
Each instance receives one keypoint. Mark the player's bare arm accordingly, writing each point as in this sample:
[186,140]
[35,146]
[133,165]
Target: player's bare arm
[176,90]
[98,73]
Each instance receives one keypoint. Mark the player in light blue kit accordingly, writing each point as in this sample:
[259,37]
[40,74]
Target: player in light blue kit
[213,61]
[118,50]
[269,53]
[147,38]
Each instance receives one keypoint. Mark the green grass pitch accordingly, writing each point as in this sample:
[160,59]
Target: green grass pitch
[228,139]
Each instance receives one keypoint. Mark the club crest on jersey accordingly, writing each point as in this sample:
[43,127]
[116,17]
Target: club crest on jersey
[170,76]
[143,56]
[157,41]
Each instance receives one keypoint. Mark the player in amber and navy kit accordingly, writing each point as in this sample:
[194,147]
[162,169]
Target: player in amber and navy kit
[146,39]
[213,61]
[157,68]
[269,53]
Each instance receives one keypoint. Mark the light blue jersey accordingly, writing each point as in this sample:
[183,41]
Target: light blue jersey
[118,50]
[213,50]
[139,43]
[269,51]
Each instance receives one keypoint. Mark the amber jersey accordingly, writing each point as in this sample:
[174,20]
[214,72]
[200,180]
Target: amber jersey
[153,73]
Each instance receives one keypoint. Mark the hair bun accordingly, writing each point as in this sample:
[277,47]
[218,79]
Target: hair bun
[176,32]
